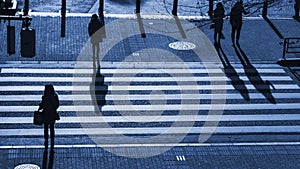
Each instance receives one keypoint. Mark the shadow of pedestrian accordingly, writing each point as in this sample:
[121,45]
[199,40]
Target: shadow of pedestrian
[263,86]
[45,159]
[98,88]
[230,72]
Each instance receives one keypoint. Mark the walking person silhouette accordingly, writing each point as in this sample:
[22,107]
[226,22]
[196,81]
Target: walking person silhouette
[236,20]
[49,106]
[218,20]
[96,35]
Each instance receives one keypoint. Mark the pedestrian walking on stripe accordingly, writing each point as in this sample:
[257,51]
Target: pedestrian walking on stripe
[218,21]
[236,21]
[297,9]
[49,106]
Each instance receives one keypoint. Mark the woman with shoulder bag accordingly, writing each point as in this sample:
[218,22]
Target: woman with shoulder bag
[49,106]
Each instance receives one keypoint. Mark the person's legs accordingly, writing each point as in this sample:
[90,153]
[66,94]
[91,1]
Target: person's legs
[219,37]
[46,135]
[232,34]
[238,34]
[215,36]
[52,135]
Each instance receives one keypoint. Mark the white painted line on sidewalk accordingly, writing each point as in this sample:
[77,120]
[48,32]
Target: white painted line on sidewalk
[171,118]
[237,144]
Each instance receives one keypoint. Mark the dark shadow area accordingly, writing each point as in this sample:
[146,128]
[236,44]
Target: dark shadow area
[230,72]
[141,26]
[180,28]
[273,27]
[47,165]
[254,77]
[98,88]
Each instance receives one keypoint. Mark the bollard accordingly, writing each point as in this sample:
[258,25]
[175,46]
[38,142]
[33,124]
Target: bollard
[265,9]
[210,8]
[63,18]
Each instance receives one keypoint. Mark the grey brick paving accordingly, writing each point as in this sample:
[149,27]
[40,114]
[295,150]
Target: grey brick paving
[235,157]
[51,47]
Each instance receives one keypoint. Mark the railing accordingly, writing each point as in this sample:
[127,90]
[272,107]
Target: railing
[291,45]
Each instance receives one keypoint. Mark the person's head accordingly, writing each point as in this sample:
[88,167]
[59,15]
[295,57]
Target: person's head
[240,1]
[49,89]
[94,17]
[219,5]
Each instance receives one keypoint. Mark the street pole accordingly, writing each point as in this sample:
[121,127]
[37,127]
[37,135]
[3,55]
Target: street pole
[265,9]
[175,4]
[101,8]
[138,6]
[210,8]
[63,18]
[26,7]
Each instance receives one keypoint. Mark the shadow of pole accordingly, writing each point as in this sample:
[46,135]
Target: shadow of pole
[254,77]
[230,72]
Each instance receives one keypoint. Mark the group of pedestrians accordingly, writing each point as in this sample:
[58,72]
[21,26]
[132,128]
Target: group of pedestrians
[235,20]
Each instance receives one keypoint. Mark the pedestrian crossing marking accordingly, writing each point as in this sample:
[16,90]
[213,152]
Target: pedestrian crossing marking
[15,80]
[170,118]
[110,97]
[124,71]
[154,130]
[168,107]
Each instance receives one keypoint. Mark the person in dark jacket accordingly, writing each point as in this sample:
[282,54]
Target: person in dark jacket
[49,106]
[236,20]
[95,34]
[218,20]
[297,9]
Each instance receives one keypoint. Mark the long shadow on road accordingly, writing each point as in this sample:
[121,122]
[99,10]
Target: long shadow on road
[263,86]
[230,72]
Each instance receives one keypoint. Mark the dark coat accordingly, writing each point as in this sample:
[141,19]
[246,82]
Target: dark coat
[94,26]
[49,105]
[218,19]
[236,15]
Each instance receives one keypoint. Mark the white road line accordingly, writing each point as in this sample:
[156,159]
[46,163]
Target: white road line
[143,88]
[125,71]
[138,79]
[110,97]
[156,130]
[172,118]
[170,107]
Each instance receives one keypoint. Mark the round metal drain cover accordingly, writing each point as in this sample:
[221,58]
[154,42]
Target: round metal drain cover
[181,45]
[27,166]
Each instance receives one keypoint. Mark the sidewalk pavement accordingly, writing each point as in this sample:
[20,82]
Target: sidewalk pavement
[186,157]
[258,40]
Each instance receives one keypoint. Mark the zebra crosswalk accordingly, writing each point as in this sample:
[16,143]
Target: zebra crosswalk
[146,102]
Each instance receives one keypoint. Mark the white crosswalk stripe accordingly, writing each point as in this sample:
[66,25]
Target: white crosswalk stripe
[151,94]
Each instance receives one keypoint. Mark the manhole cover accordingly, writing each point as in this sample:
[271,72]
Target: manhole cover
[181,45]
[27,166]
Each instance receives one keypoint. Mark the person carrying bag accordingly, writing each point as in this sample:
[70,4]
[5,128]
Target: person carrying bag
[49,106]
